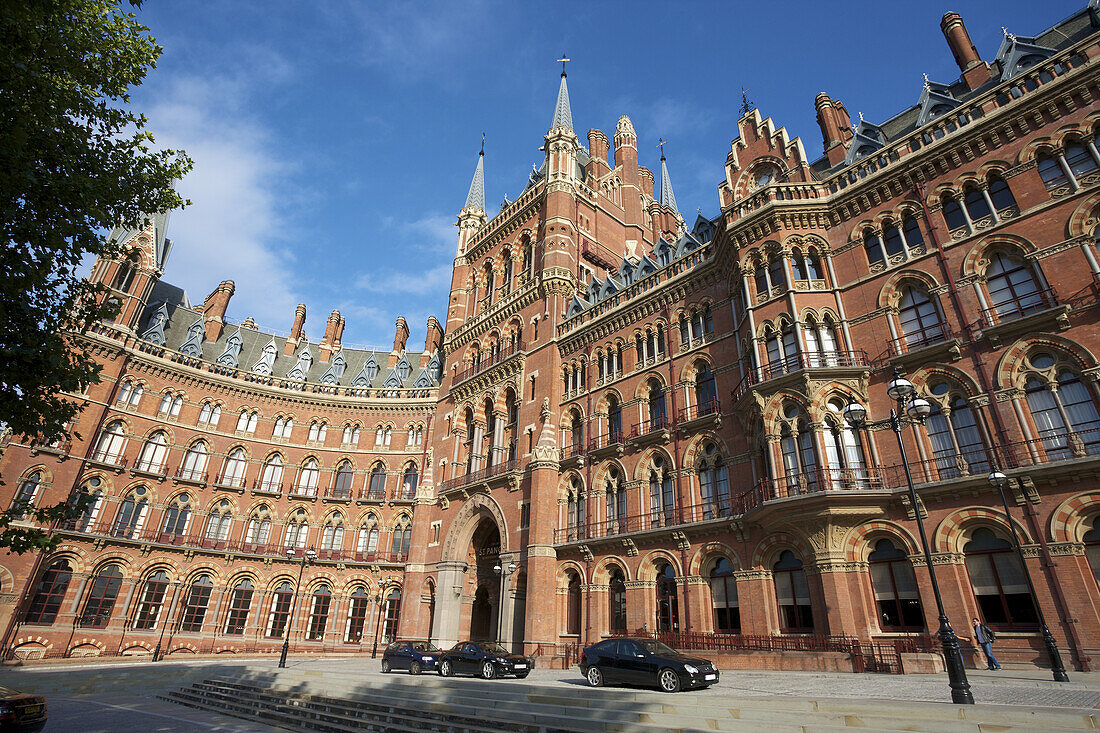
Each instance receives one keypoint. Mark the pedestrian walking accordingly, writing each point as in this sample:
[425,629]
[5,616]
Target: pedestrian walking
[985,638]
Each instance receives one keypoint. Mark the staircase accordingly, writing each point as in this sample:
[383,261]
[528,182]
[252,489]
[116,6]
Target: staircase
[338,702]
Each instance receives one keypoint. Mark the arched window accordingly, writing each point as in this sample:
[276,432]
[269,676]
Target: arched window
[662,499]
[408,482]
[153,453]
[271,475]
[616,501]
[792,594]
[706,393]
[1051,172]
[240,602]
[872,245]
[1091,539]
[1013,291]
[506,274]
[490,283]
[975,203]
[392,612]
[236,465]
[90,502]
[821,342]
[1080,160]
[714,485]
[617,601]
[111,443]
[377,486]
[998,580]
[723,595]
[844,451]
[656,401]
[308,477]
[953,213]
[911,230]
[193,466]
[575,514]
[297,530]
[796,446]
[258,532]
[776,272]
[614,419]
[1065,415]
[101,598]
[218,525]
[50,594]
[131,514]
[127,269]
[573,604]
[280,610]
[358,610]
[952,428]
[23,503]
[894,244]
[576,435]
[332,534]
[668,607]
[129,395]
[402,538]
[176,518]
[318,613]
[895,589]
[195,604]
[1000,194]
[152,600]
[782,348]
[341,484]
[366,544]
[919,319]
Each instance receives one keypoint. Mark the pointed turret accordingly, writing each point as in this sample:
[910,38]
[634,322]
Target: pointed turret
[475,199]
[563,116]
[668,198]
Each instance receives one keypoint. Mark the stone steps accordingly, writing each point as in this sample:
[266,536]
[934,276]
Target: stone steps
[341,702]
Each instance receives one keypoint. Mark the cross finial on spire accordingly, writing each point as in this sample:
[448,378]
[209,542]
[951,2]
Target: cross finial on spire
[746,105]
[482,144]
[661,144]
[563,61]
[925,79]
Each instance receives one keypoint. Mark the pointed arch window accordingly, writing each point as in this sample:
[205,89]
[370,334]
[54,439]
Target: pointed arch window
[50,594]
[131,514]
[366,545]
[358,610]
[999,583]
[377,485]
[506,273]
[319,606]
[1065,414]
[23,503]
[617,601]
[714,487]
[297,530]
[271,475]
[392,611]
[308,477]
[152,601]
[341,483]
[782,348]
[821,342]
[792,594]
[614,419]
[111,443]
[655,398]
[193,466]
[668,606]
[895,589]
[1013,290]
[280,610]
[236,465]
[90,502]
[258,532]
[102,594]
[573,604]
[401,539]
[797,449]
[176,518]
[127,269]
[218,525]
[575,514]
[1091,538]
[240,602]
[195,604]
[210,414]
[576,435]
[723,595]
[952,429]
[408,482]
[919,318]
[616,501]
[706,392]
[153,453]
[332,534]
[844,451]
[662,499]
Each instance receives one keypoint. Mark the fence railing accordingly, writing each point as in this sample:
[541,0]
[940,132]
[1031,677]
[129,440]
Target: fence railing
[798,362]
[703,409]
[481,475]
[488,360]
[1016,307]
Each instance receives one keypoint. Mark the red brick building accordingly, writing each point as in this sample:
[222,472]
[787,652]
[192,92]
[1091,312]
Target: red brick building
[626,422]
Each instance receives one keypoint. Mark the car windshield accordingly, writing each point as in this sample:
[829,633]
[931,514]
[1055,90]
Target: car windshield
[655,647]
[424,646]
[494,649]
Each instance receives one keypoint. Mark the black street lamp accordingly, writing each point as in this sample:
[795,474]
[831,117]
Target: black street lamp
[167,620]
[999,480]
[307,557]
[503,573]
[378,619]
[912,410]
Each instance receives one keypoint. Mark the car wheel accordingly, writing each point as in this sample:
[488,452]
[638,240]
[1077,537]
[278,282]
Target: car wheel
[594,677]
[488,671]
[445,668]
[414,668]
[668,680]
[385,666]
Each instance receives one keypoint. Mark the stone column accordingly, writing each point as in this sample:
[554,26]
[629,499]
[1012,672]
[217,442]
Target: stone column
[756,601]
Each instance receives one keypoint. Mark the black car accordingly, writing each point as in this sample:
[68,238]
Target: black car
[22,712]
[645,662]
[484,658]
[414,656]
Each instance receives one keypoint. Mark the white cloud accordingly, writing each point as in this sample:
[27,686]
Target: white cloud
[433,233]
[412,282]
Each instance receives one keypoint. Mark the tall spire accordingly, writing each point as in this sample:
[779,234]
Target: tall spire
[668,198]
[476,198]
[563,117]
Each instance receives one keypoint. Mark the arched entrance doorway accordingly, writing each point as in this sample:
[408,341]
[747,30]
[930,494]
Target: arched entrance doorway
[484,554]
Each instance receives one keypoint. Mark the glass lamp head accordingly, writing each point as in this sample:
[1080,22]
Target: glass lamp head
[900,388]
[918,408]
[855,414]
[311,554]
[997,479]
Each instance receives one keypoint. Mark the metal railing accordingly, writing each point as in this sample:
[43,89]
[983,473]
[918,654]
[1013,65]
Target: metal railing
[798,362]
[480,475]
[703,409]
[487,361]
[1017,307]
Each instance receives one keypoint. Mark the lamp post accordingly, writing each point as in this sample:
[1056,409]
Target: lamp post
[503,573]
[167,620]
[911,410]
[307,557]
[378,600]
[999,480]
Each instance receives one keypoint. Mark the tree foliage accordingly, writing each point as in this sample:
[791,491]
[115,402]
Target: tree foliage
[76,161]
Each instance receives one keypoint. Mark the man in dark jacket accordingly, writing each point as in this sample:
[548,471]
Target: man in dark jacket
[985,637]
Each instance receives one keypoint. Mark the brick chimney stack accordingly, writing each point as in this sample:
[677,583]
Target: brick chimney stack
[214,307]
[647,180]
[432,340]
[331,340]
[401,335]
[296,330]
[836,127]
[598,165]
[975,72]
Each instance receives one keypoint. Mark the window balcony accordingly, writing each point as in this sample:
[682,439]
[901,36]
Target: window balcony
[487,361]
[657,429]
[191,476]
[1021,314]
[506,472]
[572,455]
[772,375]
[373,494]
[232,483]
[703,415]
[936,343]
[335,494]
[267,488]
[720,508]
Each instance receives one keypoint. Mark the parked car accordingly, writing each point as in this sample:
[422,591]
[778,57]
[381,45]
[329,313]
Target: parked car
[484,658]
[641,661]
[22,712]
[415,656]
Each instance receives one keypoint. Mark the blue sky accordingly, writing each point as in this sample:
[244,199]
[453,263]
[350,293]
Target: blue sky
[334,141]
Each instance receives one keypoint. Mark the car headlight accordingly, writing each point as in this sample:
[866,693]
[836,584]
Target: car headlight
[690,669]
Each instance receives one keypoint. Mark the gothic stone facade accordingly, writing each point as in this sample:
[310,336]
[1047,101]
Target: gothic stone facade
[625,422]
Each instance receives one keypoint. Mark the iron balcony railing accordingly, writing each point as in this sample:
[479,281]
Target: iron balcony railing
[1016,307]
[487,361]
[799,362]
[478,476]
